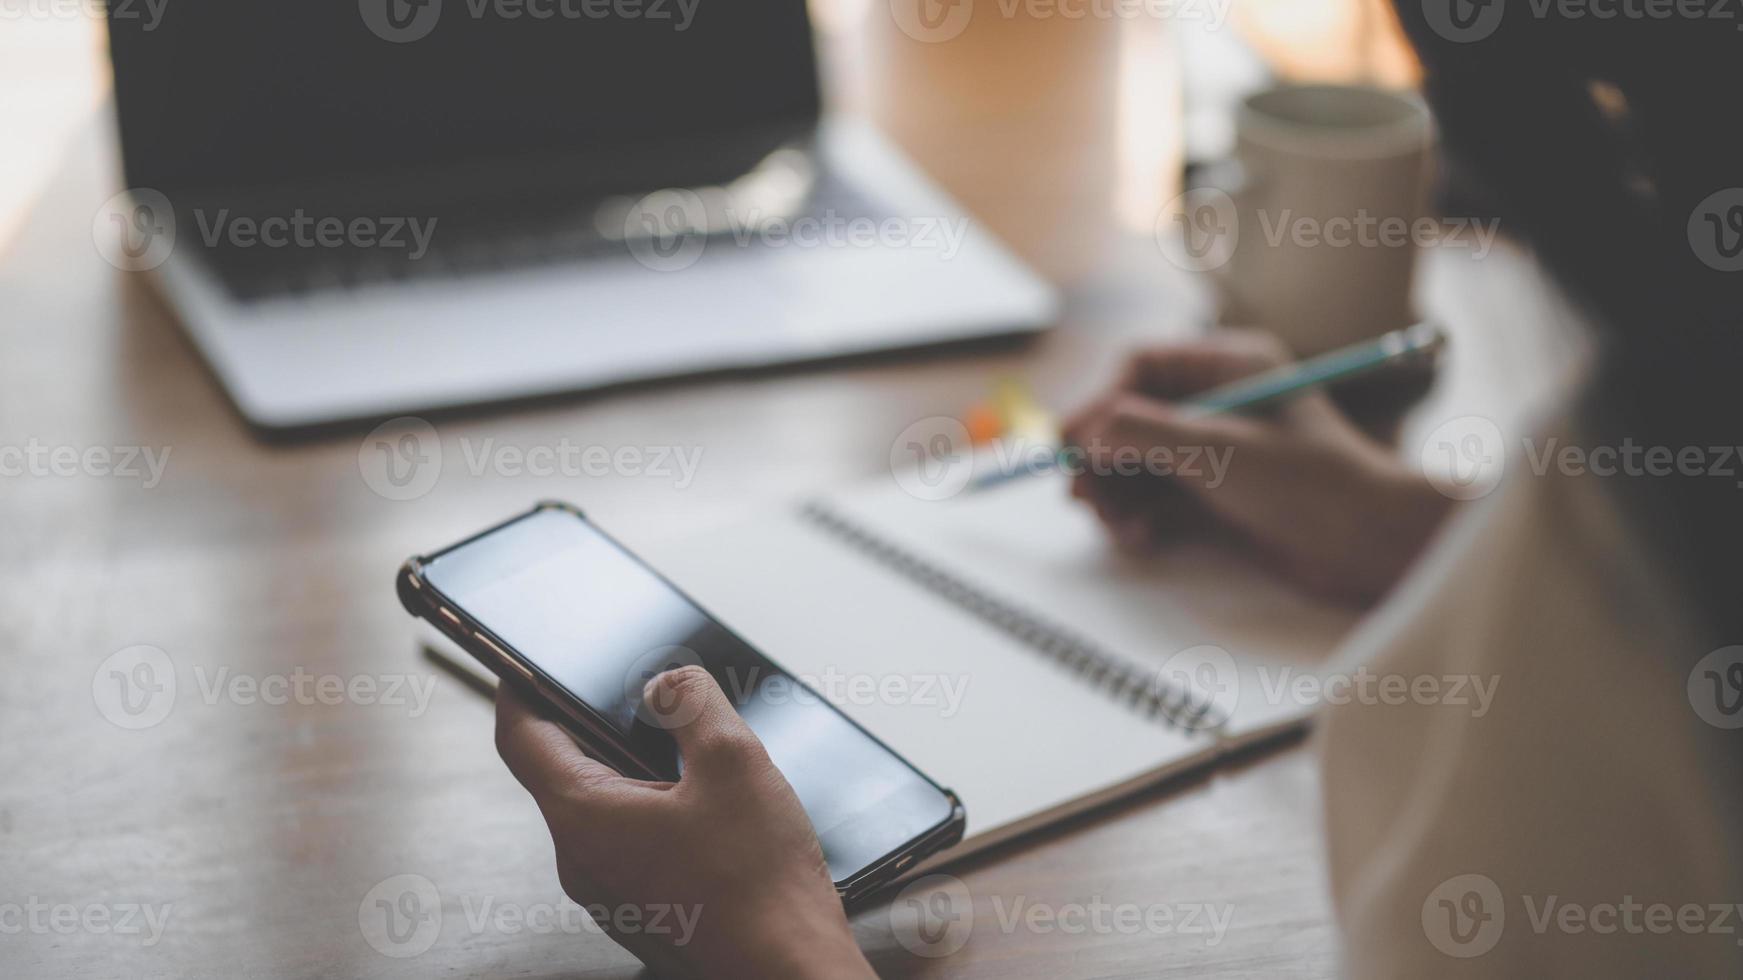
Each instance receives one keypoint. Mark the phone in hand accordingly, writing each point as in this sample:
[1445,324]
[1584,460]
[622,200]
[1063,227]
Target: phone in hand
[552,604]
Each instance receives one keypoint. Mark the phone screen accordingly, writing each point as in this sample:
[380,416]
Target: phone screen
[599,623]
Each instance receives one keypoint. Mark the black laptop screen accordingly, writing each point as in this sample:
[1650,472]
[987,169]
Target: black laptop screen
[242,93]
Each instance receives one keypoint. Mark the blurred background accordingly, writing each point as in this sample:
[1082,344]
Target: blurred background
[1100,98]
[1066,137]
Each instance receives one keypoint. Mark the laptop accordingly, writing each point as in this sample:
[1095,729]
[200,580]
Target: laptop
[364,210]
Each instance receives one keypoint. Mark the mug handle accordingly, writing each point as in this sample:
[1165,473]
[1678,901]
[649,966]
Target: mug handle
[1243,189]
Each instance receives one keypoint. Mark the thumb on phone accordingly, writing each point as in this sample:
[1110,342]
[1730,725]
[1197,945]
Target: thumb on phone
[712,739]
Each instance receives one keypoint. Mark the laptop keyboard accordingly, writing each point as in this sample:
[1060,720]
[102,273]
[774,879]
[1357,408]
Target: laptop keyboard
[458,249]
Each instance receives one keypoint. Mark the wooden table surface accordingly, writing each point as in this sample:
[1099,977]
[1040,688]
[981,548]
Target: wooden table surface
[264,827]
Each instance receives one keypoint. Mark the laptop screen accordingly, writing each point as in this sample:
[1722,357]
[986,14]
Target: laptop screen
[256,93]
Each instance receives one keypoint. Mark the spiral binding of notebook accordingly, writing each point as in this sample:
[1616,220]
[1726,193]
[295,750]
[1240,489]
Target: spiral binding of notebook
[1119,678]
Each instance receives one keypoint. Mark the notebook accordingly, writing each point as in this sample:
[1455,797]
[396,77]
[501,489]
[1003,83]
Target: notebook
[1000,644]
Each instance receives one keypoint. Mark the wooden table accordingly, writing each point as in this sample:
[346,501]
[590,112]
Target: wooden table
[265,827]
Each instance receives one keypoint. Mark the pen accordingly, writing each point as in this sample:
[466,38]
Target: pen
[1412,343]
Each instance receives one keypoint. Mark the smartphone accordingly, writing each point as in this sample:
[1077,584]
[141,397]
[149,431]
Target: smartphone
[549,602]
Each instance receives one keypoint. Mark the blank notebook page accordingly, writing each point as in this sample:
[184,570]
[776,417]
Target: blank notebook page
[1027,735]
[1029,543]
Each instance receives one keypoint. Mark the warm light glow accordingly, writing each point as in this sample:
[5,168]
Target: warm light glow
[1329,40]
[1149,142]
[837,18]
[53,73]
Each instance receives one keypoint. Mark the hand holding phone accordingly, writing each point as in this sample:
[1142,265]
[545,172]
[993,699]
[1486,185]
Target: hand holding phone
[575,623]
[718,875]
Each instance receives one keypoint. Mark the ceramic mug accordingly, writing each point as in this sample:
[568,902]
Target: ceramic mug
[1312,230]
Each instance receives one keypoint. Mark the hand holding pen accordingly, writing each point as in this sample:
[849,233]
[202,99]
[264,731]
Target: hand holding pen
[1301,487]
[1288,379]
